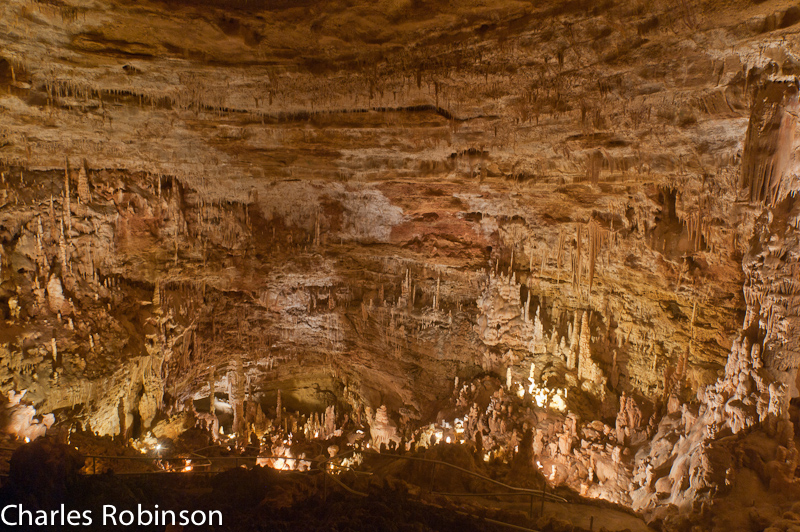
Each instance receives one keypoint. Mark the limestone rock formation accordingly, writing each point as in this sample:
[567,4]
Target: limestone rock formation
[282,221]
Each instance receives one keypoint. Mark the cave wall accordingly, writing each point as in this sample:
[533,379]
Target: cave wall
[202,192]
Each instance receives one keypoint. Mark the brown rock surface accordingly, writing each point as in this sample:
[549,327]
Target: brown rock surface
[233,203]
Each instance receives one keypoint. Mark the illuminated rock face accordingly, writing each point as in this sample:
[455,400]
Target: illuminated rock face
[279,208]
[20,420]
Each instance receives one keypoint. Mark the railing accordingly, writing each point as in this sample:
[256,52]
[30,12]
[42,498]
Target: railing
[191,455]
[236,460]
[324,466]
[514,491]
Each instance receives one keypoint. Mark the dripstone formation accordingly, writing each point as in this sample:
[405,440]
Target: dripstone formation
[564,234]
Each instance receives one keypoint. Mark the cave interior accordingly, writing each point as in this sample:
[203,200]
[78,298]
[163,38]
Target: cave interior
[553,243]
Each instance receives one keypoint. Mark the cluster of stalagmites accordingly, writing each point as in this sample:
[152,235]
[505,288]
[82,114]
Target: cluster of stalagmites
[640,463]
[746,395]
[382,428]
[650,465]
[594,458]
[505,320]
[280,435]
[63,256]
[254,423]
[591,457]
[679,466]
[687,463]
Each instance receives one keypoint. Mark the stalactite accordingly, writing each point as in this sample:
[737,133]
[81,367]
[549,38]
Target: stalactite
[769,141]
[681,366]
[597,237]
[84,193]
[436,297]
[52,214]
[593,166]
[316,231]
[67,209]
[544,259]
[577,262]
[697,227]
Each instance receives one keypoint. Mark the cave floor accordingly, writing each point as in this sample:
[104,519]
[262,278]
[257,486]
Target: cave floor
[581,515]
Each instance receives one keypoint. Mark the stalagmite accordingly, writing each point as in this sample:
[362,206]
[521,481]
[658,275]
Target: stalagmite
[584,355]
[538,344]
[528,307]
[574,331]
[55,295]
[588,370]
[212,387]
[330,422]
[236,379]
[62,246]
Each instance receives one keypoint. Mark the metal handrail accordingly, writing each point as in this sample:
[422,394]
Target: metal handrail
[493,494]
[549,496]
[488,520]
[496,522]
[326,474]
[515,491]
[171,458]
[210,460]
